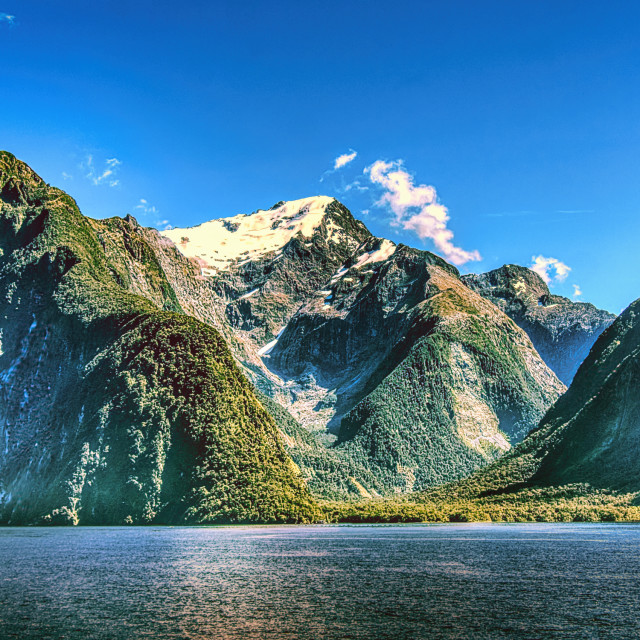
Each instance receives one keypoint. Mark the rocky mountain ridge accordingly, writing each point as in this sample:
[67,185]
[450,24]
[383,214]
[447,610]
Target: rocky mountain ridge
[562,331]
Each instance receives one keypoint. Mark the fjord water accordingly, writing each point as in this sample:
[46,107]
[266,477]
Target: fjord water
[439,581]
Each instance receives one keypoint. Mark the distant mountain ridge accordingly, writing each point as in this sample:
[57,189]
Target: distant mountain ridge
[561,330]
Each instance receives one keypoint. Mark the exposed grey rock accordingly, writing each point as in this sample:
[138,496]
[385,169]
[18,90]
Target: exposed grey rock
[561,330]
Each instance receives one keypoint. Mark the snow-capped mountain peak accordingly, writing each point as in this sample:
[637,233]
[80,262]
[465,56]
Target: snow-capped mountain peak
[221,243]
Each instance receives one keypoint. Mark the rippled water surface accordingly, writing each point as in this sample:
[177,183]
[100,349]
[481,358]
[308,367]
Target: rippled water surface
[439,581]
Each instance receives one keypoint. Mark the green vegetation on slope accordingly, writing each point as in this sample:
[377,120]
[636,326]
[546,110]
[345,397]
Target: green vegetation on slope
[457,368]
[329,474]
[581,464]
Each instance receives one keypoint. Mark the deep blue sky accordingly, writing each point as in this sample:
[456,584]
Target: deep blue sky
[524,116]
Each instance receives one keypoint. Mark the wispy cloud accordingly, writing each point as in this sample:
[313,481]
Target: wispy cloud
[509,214]
[355,185]
[339,162]
[106,175]
[551,270]
[150,210]
[344,159]
[67,176]
[146,207]
[5,17]
[416,208]
[577,291]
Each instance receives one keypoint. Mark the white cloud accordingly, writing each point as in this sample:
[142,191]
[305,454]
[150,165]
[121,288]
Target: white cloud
[67,176]
[416,208]
[577,291]
[550,269]
[344,159]
[150,210]
[146,207]
[106,176]
[355,185]
[5,17]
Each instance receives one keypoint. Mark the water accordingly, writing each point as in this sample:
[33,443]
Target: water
[439,581]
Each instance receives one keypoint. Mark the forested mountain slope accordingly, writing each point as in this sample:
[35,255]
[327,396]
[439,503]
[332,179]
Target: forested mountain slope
[589,439]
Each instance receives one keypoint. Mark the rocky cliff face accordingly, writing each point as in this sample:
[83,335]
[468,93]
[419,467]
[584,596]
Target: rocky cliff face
[561,330]
[263,266]
[115,406]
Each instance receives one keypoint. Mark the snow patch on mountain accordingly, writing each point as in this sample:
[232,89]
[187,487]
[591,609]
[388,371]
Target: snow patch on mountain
[218,244]
[268,348]
[248,295]
[384,252]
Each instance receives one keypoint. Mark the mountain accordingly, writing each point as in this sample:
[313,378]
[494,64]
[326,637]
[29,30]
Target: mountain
[588,440]
[378,349]
[248,302]
[430,380]
[116,406]
[593,432]
[562,331]
[370,368]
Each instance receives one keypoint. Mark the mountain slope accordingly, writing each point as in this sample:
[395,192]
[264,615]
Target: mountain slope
[264,265]
[329,473]
[562,331]
[114,410]
[595,429]
[450,381]
[590,437]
